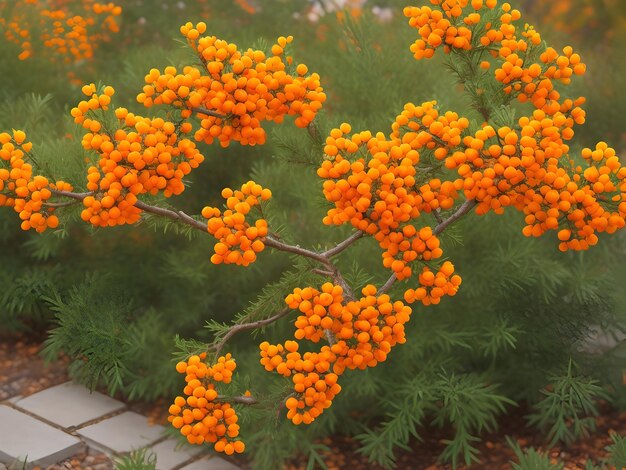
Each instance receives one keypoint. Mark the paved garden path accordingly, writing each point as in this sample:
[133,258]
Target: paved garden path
[52,425]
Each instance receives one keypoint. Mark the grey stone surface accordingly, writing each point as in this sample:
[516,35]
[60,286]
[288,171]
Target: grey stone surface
[69,404]
[211,463]
[170,455]
[122,433]
[23,437]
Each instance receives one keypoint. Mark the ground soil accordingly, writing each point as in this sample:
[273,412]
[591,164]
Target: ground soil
[23,372]
[495,452]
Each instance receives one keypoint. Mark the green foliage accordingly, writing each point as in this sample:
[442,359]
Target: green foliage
[617,451]
[568,407]
[464,402]
[471,407]
[141,459]
[88,330]
[531,459]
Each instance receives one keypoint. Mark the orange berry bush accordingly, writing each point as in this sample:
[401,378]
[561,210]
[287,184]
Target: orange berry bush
[403,189]
[69,30]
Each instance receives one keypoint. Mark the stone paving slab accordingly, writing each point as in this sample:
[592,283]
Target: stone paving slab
[122,433]
[24,437]
[212,463]
[69,405]
[170,455]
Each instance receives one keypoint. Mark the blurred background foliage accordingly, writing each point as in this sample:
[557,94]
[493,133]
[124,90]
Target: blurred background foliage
[114,300]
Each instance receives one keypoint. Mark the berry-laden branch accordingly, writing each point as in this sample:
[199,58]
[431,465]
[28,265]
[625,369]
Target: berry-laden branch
[233,330]
[386,186]
[465,208]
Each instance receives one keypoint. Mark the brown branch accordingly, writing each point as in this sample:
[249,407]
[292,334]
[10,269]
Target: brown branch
[173,215]
[161,211]
[296,250]
[437,215]
[248,326]
[321,272]
[330,337]
[71,195]
[55,205]
[343,245]
[242,400]
[323,258]
[208,112]
[387,285]
[466,207]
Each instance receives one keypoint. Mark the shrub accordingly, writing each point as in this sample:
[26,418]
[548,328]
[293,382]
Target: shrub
[404,196]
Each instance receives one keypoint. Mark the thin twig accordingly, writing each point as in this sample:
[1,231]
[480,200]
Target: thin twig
[242,400]
[208,112]
[171,214]
[71,195]
[437,215]
[323,258]
[466,207]
[237,328]
[343,245]
[322,272]
[387,285]
[296,250]
[55,205]
[168,213]
[330,337]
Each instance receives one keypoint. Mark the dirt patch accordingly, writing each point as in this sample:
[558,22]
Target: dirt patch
[22,369]
[495,453]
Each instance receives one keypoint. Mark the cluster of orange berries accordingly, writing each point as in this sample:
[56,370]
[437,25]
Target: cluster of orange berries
[360,332]
[380,184]
[314,384]
[20,189]
[523,78]
[406,246]
[144,155]
[373,181]
[446,27]
[591,201]
[521,168]
[423,127]
[234,91]
[238,240]
[372,195]
[535,81]
[70,29]
[320,310]
[433,286]
[200,415]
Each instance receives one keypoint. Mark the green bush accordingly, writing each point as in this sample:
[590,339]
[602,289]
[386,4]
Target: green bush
[127,303]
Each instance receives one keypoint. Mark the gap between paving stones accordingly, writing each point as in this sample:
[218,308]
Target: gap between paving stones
[195,458]
[69,430]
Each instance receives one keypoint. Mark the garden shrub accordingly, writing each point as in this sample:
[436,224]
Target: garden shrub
[499,193]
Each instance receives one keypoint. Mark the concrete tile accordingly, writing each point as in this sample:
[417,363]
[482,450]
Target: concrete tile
[24,437]
[122,433]
[211,463]
[170,455]
[13,401]
[69,404]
